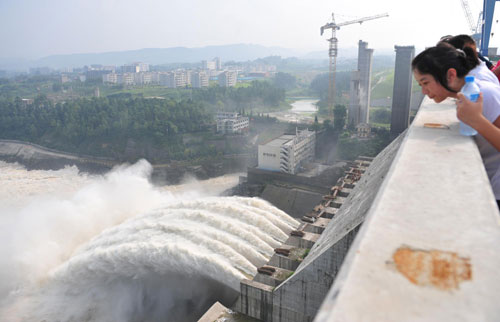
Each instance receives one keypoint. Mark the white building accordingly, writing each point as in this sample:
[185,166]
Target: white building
[126,78]
[110,78]
[199,79]
[229,126]
[130,69]
[143,67]
[173,79]
[155,77]
[208,64]
[231,122]
[363,130]
[177,79]
[218,63]
[143,78]
[65,78]
[288,152]
[228,78]
[187,76]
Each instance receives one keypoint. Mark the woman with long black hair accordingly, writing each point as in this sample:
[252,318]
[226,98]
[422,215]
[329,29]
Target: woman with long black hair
[441,71]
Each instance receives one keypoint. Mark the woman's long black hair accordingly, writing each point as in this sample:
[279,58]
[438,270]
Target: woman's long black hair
[436,61]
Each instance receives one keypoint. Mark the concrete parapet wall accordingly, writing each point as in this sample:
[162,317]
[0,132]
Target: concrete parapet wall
[300,297]
[428,250]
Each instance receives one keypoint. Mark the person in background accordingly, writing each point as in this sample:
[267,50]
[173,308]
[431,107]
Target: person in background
[496,70]
[441,71]
[483,70]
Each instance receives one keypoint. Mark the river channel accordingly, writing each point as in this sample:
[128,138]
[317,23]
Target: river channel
[302,111]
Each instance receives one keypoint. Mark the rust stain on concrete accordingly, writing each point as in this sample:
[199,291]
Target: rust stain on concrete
[440,269]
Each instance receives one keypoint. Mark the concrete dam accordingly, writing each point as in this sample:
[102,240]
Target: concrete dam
[293,284]
[410,235]
[412,240]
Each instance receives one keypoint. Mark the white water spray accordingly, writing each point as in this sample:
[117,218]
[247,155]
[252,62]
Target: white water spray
[115,248]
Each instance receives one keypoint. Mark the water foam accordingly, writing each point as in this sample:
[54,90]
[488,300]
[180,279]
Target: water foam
[120,249]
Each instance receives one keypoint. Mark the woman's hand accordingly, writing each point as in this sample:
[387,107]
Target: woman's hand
[472,114]
[469,112]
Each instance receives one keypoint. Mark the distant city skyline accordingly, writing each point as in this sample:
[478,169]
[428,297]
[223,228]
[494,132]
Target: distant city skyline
[32,29]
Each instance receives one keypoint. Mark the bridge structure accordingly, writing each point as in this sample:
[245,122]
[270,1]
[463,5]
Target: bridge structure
[415,239]
[488,10]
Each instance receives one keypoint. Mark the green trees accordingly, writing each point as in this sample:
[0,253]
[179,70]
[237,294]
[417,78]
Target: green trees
[284,80]
[320,84]
[258,93]
[56,87]
[106,126]
[315,126]
[82,123]
[349,148]
[381,115]
[339,117]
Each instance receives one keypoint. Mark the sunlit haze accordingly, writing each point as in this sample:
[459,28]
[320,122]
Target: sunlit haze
[32,29]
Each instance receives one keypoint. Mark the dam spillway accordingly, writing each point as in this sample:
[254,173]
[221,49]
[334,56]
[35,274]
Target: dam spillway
[114,247]
[306,265]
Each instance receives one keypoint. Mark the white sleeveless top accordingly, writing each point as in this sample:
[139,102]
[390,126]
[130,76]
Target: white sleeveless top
[482,73]
[490,155]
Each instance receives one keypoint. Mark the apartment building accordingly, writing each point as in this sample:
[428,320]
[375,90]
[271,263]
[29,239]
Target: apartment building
[208,64]
[231,122]
[287,152]
[199,79]
[228,78]
[125,79]
[143,78]
[173,79]
[111,78]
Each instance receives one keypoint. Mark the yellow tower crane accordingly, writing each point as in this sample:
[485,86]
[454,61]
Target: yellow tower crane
[332,53]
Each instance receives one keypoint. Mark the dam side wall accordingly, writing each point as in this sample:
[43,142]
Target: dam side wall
[299,297]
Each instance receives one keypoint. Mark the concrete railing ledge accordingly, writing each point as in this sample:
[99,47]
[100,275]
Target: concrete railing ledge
[429,249]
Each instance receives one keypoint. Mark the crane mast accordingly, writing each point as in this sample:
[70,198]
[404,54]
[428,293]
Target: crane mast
[468,15]
[475,29]
[333,50]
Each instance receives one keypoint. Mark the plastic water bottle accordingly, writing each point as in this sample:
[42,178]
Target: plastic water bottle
[471,91]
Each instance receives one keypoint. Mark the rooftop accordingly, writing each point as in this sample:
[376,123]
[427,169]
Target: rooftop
[281,140]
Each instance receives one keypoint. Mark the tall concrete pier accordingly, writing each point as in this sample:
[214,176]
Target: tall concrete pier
[354,100]
[365,56]
[401,97]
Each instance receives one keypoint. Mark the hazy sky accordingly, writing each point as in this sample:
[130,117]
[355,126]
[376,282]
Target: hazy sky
[37,28]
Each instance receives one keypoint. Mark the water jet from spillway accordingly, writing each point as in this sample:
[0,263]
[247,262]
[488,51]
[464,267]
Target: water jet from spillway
[151,256]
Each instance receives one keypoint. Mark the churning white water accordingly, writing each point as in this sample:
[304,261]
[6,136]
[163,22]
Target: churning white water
[116,248]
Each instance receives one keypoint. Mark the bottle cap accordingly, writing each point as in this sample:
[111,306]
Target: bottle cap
[469,79]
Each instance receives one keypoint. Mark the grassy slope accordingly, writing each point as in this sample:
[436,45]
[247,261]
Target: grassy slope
[382,84]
